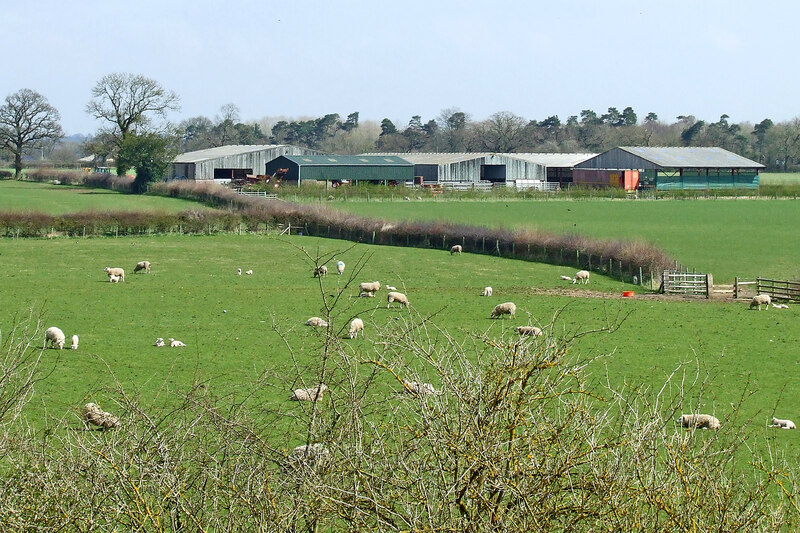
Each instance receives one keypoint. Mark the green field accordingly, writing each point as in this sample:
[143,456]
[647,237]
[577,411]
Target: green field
[779,178]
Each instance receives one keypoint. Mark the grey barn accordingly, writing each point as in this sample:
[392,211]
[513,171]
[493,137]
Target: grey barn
[225,163]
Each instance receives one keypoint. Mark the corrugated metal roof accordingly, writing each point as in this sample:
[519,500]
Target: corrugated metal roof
[565,160]
[435,158]
[222,151]
[351,160]
[691,157]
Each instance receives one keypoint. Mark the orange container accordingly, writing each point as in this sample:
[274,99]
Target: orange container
[627,294]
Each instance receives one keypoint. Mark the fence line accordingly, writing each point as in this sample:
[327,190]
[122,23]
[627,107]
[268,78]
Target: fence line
[779,289]
[687,284]
[262,194]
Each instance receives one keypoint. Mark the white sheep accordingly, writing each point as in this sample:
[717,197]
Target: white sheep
[311,455]
[507,308]
[96,416]
[699,421]
[238,271]
[316,322]
[782,423]
[74,342]
[582,276]
[356,325]
[390,288]
[115,272]
[455,249]
[366,295]
[780,306]
[249,272]
[340,267]
[367,286]
[113,279]
[312,394]
[759,300]
[174,343]
[487,291]
[54,337]
[160,342]
[142,265]
[321,271]
[566,278]
[418,388]
[398,297]
[532,331]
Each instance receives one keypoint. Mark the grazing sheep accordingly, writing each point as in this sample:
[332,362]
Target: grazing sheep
[249,272]
[238,271]
[115,272]
[566,278]
[321,271]
[487,291]
[533,331]
[96,416]
[782,423]
[316,322]
[390,288]
[759,300]
[582,276]
[373,286]
[174,343]
[340,267]
[366,295]
[398,297]
[310,455]
[455,249]
[356,325]
[142,265]
[418,388]
[507,308]
[54,337]
[159,342]
[313,394]
[113,279]
[699,421]
[74,342]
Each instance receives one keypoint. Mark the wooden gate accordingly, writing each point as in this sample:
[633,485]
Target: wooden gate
[686,284]
[779,289]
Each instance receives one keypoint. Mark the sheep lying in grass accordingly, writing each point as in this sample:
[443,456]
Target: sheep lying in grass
[310,455]
[373,286]
[340,267]
[174,343]
[115,272]
[782,423]
[487,291]
[581,276]
[74,342]
[532,331]
[316,322]
[54,337]
[390,288]
[566,278]
[455,249]
[419,388]
[238,271]
[398,297]
[366,295]
[699,421]
[356,325]
[507,308]
[780,306]
[759,300]
[160,342]
[321,271]
[249,272]
[96,416]
[142,265]
[313,394]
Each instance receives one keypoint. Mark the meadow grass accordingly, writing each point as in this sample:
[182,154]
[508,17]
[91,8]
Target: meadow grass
[779,178]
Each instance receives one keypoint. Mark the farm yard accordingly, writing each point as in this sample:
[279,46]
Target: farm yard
[248,347]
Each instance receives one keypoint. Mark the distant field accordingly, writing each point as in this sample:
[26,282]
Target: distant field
[779,178]
[59,199]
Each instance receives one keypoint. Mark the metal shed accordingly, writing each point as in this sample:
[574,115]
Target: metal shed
[338,168]
[558,166]
[228,162]
[669,168]
[472,167]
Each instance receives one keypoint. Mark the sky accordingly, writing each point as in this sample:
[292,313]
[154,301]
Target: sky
[393,60]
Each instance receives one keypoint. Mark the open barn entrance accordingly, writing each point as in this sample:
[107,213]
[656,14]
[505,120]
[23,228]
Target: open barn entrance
[493,173]
[231,173]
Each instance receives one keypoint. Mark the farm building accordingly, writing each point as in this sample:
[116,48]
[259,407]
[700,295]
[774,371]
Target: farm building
[225,163]
[338,168]
[669,168]
[558,167]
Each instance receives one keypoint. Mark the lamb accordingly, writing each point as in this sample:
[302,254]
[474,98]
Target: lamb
[115,272]
[174,343]
[96,416]
[159,342]
[113,279]
[374,286]
[321,271]
[418,388]
[532,331]
[249,272]
[316,322]
[782,423]
[142,265]
[507,308]
[366,295]
[566,278]
[455,249]
[582,276]
[54,337]
[356,325]
[780,306]
[340,267]
[759,300]
[311,455]
[487,291]
[699,421]
[390,288]
[396,297]
[238,271]
[313,394]
[74,342]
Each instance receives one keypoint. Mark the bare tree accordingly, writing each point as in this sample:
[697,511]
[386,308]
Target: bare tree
[502,132]
[27,121]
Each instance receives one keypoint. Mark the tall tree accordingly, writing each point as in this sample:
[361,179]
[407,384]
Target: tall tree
[27,120]
[760,131]
[150,154]
[501,132]
[352,122]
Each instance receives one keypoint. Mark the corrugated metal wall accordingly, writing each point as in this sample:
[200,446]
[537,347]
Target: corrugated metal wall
[257,161]
[617,159]
[470,170]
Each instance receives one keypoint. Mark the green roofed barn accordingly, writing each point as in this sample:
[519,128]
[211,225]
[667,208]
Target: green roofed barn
[339,168]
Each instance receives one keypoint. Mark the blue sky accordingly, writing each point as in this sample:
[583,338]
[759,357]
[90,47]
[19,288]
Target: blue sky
[398,59]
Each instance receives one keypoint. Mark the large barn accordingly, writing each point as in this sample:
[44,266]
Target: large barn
[224,163]
[558,166]
[336,169]
[669,168]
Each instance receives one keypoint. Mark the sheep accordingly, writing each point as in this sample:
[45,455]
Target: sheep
[159,342]
[582,276]
[321,271]
[96,416]
[373,286]
[366,295]
[311,455]
[238,271]
[313,394]
[113,279]
[699,421]
[174,343]
[759,300]
[74,342]
[249,272]
[487,291]
[398,297]
[356,325]
[782,423]
[54,337]
[566,278]
[142,265]
[390,288]
[507,308]
[780,306]
[455,249]
[340,267]
[316,322]
[115,272]
[418,388]
[533,331]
